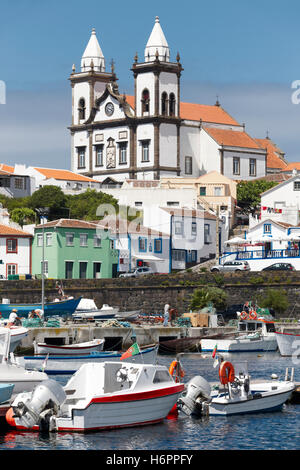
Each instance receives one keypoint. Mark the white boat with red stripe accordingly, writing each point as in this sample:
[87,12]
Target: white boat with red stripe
[95,345]
[98,396]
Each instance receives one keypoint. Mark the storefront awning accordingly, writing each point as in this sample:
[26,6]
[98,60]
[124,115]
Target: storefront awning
[147,257]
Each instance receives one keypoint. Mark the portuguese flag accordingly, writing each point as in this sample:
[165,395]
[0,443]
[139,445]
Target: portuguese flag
[214,352]
[132,351]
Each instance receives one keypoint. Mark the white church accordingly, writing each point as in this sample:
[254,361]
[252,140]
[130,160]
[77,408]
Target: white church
[152,135]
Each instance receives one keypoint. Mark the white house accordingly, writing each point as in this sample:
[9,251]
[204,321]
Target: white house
[280,203]
[192,233]
[138,245]
[266,243]
[67,180]
[14,184]
[15,251]
[152,134]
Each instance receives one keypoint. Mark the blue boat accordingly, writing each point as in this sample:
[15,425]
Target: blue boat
[66,365]
[63,307]
[6,392]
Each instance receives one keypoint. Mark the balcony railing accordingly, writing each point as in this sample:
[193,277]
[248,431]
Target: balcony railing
[265,254]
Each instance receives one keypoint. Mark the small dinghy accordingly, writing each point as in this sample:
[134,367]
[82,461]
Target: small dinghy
[67,365]
[12,372]
[99,396]
[94,346]
[87,310]
[235,394]
[6,391]
[288,342]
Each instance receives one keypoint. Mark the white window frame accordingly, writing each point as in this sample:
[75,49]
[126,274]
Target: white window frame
[83,239]
[68,243]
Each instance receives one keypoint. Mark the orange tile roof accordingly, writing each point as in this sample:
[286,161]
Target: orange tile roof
[11,231]
[273,154]
[206,113]
[68,223]
[8,168]
[197,112]
[195,213]
[123,226]
[232,138]
[63,175]
[292,166]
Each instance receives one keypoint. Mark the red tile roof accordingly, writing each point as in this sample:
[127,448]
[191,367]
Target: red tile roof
[196,213]
[274,154]
[69,223]
[231,138]
[292,166]
[63,175]
[197,112]
[11,231]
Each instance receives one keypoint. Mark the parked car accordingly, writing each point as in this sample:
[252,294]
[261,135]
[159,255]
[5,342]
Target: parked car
[280,267]
[231,266]
[138,272]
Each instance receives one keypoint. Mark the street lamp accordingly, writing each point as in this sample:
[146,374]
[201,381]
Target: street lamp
[43,212]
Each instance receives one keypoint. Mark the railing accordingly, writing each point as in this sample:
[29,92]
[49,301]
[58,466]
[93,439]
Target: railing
[265,254]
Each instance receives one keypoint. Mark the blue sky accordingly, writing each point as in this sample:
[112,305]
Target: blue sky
[247,53]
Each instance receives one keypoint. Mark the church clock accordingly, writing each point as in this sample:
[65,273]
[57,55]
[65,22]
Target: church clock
[109,109]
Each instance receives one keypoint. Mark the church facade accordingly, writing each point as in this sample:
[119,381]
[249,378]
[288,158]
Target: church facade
[152,134]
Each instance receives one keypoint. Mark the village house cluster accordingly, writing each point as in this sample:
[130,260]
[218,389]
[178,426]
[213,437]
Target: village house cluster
[176,163]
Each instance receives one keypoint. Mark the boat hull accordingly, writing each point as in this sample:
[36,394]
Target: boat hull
[267,403]
[288,343]
[23,380]
[59,365]
[239,345]
[69,350]
[6,390]
[64,307]
[101,415]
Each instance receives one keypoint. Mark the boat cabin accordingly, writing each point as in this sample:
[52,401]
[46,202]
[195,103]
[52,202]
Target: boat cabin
[259,325]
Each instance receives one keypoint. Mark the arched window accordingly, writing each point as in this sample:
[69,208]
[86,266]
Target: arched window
[145,101]
[81,108]
[164,103]
[172,104]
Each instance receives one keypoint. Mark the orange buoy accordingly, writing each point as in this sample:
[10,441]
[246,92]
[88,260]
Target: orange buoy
[226,373]
[175,366]
[252,315]
[244,315]
[9,417]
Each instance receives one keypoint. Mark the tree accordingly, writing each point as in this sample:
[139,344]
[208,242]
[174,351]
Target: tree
[275,299]
[249,193]
[204,296]
[51,197]
[85,205]
[22,215]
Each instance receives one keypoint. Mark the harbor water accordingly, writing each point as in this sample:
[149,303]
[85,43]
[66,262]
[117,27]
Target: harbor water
[279,430]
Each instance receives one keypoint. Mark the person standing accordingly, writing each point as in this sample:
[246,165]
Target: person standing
[166,314]
[13,318]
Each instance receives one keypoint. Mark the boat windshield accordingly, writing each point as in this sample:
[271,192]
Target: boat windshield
[270,327]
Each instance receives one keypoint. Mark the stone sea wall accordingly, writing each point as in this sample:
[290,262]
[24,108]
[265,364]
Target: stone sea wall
[151,293]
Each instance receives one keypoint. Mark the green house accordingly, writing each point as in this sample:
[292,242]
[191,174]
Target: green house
[73,249]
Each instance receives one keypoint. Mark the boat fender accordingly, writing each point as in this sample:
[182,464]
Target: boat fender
[244,315]
[226,373]
[252,315]
[247,385]
[175,366]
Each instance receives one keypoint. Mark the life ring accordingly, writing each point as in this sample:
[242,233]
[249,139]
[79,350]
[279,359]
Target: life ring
[252,315]
[175,366]
[226,372]
[244,315]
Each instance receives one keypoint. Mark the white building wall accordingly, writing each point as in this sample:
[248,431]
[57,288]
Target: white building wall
[168,84]
[21,259]
[145,81]
[81,90]
[190,147]
[168,145]
[244,165]
[209,158]
[145,132]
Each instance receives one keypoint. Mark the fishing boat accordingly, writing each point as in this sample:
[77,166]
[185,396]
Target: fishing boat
[254,334]
[11,371]
[17,333]
[235,393]
[98,397]
[288,342]
[66,365]
[6,391]
[60,307]
[96,345]
[87,310]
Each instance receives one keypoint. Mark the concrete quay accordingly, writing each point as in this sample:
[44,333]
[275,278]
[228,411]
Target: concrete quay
[116,338]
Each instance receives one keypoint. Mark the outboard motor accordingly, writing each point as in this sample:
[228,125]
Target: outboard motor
[196,398]
[38,406]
